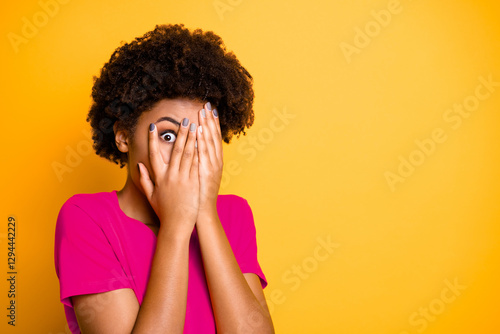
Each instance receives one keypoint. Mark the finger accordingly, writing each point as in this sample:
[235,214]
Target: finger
[213,124]
[203,154]
[195,165]
[218,145]
[155,159]
[145,180]
[204,116]
[189,149]
[178,149]
[216,115]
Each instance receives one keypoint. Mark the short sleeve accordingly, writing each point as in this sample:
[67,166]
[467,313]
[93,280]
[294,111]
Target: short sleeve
[246,246]
[84,259]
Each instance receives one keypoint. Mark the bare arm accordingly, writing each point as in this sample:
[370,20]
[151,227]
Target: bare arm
[237,308]
[174,196]
[164,305]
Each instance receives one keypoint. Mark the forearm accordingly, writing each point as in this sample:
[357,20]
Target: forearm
[163,309]
[232,299]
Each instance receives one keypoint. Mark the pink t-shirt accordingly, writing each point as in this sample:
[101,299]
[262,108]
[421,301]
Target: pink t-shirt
[98,248]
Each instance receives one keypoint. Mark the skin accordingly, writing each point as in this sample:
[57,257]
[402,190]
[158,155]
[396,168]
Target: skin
[173,191]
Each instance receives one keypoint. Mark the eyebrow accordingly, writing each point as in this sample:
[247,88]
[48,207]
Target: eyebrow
[167,118]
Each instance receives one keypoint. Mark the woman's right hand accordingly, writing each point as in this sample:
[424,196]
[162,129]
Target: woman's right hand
[173,188]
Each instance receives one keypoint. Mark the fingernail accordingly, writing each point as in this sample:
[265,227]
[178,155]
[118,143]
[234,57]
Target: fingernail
[203,113]
[192,127]
[209,106]
[185,122]
[151,127]
[196,143]
[201,130]
[216,114]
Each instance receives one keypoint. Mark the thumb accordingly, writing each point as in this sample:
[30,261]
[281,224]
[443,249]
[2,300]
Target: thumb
[145,180]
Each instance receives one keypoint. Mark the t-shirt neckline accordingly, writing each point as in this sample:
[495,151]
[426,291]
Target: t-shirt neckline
[123,214]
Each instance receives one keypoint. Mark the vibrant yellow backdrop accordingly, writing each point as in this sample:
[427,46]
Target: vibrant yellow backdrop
[371,169]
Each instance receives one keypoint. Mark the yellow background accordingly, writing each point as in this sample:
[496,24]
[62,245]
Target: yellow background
[321,173]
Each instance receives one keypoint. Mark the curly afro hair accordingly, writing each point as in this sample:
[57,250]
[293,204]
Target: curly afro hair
[166,63]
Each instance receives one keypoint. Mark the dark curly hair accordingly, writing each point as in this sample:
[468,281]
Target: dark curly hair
[168,62]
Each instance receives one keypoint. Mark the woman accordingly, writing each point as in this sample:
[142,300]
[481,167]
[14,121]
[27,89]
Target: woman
[165,254]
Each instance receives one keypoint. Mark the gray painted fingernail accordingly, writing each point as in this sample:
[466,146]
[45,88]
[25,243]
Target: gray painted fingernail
[185,122]
[216,114]
[151,127]
[192,127]
[203,113]
[209,106]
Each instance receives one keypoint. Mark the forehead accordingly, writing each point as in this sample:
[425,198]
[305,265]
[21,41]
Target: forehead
[178,108]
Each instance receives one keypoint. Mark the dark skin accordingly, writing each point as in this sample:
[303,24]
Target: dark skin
[176,191]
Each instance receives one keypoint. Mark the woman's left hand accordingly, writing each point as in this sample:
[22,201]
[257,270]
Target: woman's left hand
[210,159]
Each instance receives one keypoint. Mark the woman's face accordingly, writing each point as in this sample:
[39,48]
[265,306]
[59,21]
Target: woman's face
[167,115]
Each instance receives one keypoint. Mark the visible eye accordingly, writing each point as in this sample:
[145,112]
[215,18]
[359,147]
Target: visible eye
[169,136]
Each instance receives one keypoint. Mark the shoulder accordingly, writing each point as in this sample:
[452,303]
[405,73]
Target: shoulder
[83,207]
[232,205]
[230,199]
[89,201]
[235,214]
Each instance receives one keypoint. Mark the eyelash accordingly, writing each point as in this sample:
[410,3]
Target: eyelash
[168,132]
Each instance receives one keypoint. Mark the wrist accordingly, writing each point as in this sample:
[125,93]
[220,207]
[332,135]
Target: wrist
[208,204]
[175,233]
[207,215]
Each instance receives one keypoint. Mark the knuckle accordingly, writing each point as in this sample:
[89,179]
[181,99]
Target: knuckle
[178,149]
[169,179]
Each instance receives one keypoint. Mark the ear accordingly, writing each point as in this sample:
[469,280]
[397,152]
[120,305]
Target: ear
[121,138]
